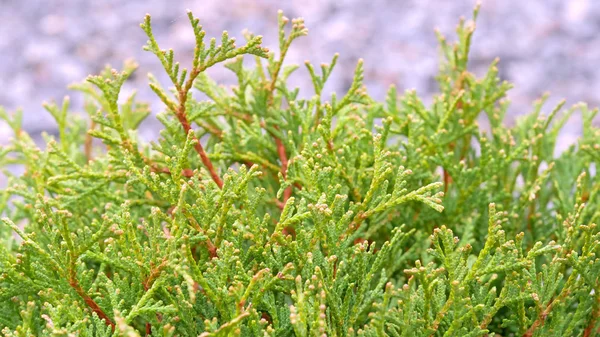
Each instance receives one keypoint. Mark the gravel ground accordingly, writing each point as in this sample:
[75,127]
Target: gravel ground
[544,45]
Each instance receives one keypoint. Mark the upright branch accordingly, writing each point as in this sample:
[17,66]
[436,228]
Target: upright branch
[91,303]
[298,29]
[204,57]
[88,143]
[284,167]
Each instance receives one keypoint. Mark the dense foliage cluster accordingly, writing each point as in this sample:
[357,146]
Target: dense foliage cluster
[260,212]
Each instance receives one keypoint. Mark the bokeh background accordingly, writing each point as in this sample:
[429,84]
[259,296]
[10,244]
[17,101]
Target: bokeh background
[544,45]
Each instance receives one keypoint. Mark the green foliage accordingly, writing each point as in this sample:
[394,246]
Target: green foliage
[259,212]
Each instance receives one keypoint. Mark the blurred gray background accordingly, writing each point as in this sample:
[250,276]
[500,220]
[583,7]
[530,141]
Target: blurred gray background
[543,45]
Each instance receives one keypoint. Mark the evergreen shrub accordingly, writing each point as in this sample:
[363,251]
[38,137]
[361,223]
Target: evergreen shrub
[262,212]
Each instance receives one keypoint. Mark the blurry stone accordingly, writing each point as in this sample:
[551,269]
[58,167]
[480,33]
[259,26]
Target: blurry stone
[543,45]
[52,24]
[577,10]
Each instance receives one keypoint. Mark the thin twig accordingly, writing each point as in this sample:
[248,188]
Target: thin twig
[154,273]
[284,167]
[210,246]
[280,147]
[595,314]
[544,314]
[183,120]
[187,173]
[90,302]
[87,146]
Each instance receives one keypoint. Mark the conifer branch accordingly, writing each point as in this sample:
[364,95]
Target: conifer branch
[90,302]
[298,29]
[203,59]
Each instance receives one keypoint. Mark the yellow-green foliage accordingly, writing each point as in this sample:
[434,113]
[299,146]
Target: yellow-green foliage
[261,212]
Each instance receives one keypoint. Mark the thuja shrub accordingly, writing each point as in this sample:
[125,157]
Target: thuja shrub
[258,212]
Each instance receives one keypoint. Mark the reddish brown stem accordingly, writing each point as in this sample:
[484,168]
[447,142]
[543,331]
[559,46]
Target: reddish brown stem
[183,120]
[210,246]
[536,324]
[530,216]
[238,115]
[282,156]
[198,147]
[447,181]
[284,166]
[588,330]
[459,106]
[213,130]
[289,230]
[87,146]
[596,313]
[91,303]
[279,204]
[188,173]
[280,147]
[154,273]
[542,317]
